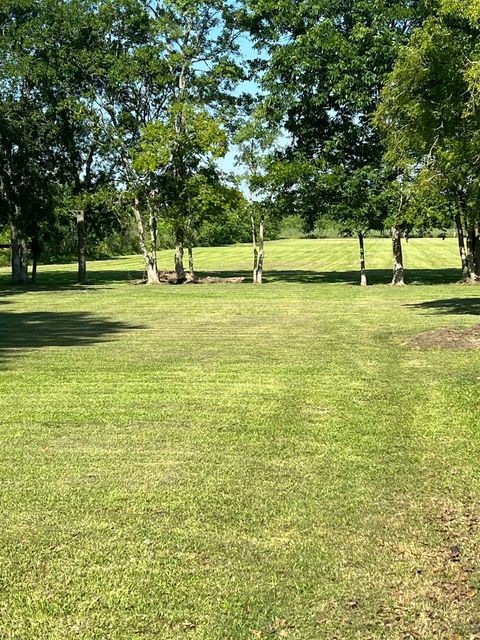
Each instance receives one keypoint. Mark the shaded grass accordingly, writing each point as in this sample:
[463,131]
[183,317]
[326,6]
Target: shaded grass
[230,461]
[331,261]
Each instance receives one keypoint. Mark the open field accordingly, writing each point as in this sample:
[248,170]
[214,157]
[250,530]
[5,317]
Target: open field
[229,462]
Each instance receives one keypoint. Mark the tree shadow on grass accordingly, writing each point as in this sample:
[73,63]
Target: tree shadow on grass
[27,331]
[59,280]
[65,280]
[375,276]
[453,306]
[94,277]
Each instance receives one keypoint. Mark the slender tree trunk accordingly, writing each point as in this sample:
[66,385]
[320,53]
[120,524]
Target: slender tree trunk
[255,249]
[398,270]
[461,247]
[36,253]
[152,223]
[363,270]
[179,243]
[190,258]
[476,255]
[80,217]
[472,254]
[81,248]
[150,264]
[19,249]
[261,251]
[33,276]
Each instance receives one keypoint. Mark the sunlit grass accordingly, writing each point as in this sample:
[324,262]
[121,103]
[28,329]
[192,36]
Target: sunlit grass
[225,462]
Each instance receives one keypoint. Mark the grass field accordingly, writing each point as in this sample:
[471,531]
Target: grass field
[229,462]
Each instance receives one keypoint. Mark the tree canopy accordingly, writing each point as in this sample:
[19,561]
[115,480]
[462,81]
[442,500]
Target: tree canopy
[116,115]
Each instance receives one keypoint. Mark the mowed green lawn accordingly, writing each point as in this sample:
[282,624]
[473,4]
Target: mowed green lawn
[230,461]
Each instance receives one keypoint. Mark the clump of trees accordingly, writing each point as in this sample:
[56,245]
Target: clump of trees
[112,112]
[430,123]
[115,115]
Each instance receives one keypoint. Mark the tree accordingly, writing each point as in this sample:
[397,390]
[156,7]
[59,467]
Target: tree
[256,152]
[178,165]
[49,115]
[168,69]
[430,122]
[213,203]
[360,203]
[69,44]
[29,154]
[327,64]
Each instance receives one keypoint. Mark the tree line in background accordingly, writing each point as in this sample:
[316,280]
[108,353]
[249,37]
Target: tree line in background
[115,114]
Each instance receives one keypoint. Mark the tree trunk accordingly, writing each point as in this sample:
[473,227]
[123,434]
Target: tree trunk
[150,263]
[179,268]
[398,271]
[255,249]
[81,248]
[33,277]
[472,255]
[461,247]
[363,270]
[190,259]
[476,256]
[261,251]
[152,223]
[36,253]
[19,249]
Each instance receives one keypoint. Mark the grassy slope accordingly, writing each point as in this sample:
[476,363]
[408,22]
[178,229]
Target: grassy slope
[227,461]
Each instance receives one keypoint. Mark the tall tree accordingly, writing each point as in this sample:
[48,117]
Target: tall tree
[327,63]
[179,167]
[50,121]
[167,65]
[256,152]
[429,118]
[360,203]
[29,153]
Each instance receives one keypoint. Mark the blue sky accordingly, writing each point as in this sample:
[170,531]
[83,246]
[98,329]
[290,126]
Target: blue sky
[228,163]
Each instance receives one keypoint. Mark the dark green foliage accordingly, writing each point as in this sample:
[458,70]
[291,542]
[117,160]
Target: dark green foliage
[327,64]
[430,122]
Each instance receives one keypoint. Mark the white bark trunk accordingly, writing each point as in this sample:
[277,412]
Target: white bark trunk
[179,268]
[151,270]
[398,270]
[255,250]
[81,248]
[190,259]
[261,251]
[363,270]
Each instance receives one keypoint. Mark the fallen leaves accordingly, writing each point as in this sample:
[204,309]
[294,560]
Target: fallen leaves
[187,625]
[454,553]
[280,628]
[439,599]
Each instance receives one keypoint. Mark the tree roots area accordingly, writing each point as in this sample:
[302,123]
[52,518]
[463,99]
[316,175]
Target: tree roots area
[170,277]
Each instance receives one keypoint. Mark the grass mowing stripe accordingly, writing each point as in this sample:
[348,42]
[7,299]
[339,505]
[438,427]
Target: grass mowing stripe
[230,461]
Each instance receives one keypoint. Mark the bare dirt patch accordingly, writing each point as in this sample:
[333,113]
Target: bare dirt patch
[447,338]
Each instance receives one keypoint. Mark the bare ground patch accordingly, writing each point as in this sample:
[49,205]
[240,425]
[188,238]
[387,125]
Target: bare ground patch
[447,338]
